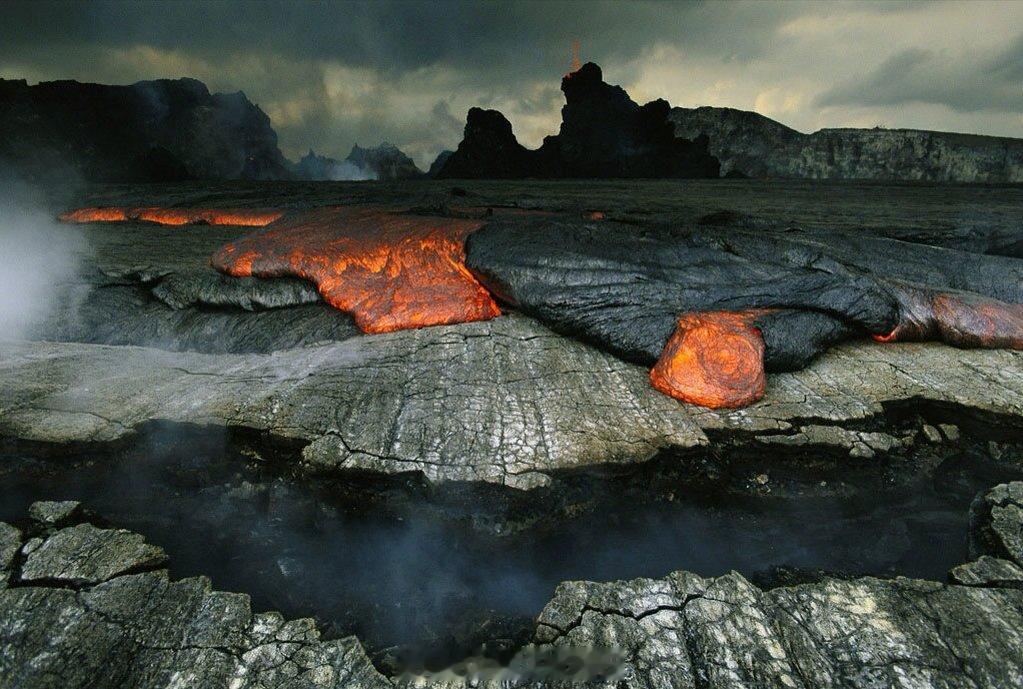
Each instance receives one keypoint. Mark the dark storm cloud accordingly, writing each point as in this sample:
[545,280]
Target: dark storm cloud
[916,75]
[338,73]
[508,37]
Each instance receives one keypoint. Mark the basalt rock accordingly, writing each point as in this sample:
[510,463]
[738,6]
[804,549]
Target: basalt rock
[604,134]
[749,144]
[90,607]
[490,150]
[504,401]
[687,631]
[136,627]
[768,301]
[163,130]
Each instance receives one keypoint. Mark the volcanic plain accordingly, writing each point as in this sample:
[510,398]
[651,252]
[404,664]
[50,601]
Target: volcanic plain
[511,429]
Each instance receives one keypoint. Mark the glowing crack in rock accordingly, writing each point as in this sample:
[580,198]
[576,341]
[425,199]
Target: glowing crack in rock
[390,271]
[247,217]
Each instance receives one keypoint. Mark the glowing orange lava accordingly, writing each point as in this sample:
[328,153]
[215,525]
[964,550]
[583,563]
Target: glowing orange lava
[392,272]
[957,318]
[714,359]
[247,217]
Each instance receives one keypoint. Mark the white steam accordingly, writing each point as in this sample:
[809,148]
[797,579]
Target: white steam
[348,171]
[38,259]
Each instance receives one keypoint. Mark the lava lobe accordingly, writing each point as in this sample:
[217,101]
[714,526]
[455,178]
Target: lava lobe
[714,359]
[962,319]
[246,217]
[391,272]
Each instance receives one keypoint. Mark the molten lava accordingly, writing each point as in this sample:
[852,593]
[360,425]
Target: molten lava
[958,318]
[247,217]
[392,272]
[714,359]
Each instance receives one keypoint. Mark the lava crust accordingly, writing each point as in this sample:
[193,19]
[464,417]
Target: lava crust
[391,272]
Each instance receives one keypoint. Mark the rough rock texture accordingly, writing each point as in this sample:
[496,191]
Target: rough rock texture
[161,130]
[505,401]
[106,628]
[997,523]
[757,146]
[798,293]
[687,631]
[987,571]
[55,513]
[84,554]
[143,630]
[604,134]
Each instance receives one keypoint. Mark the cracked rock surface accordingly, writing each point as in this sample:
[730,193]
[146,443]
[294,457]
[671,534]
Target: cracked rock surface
[688,631]
[115,629]
[504,401]
[143,630]
[997,522]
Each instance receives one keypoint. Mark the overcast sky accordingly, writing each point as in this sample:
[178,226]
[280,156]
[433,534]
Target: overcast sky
[330,75]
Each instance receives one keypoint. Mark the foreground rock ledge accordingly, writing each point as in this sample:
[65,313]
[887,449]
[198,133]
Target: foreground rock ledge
[505,401]
[127,624]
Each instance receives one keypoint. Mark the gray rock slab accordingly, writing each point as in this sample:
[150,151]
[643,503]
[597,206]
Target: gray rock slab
[145,631]
[85,554]
[53,512]
[687,631]
[997,527]
[505,401]
[987,571]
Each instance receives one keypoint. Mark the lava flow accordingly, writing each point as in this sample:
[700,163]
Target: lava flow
[392,272]
[714,359]
[958,318]
[247,217]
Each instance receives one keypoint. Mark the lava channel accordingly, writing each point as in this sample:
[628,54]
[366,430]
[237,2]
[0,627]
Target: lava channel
[714,359]
[247,217]
[391,272]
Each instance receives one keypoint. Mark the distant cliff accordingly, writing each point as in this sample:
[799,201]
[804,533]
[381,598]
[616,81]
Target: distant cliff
[162,130]
[757,146]
[604,133]
[385,162]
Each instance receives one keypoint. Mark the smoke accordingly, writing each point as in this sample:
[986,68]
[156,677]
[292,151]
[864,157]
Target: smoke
[346,171]
[38,258]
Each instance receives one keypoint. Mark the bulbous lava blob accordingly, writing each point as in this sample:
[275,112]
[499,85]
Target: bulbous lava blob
[962,319]
[714,359]
[390,271]
[248,217]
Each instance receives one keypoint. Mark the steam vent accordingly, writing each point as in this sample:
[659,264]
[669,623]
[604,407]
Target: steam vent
[612,394]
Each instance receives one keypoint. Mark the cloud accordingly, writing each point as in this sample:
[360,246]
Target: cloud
[964,83]
[333,75]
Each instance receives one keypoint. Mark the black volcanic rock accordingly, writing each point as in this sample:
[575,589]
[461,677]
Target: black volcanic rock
[149,131]
[624,290]
[438,163]
[604,133]
[749,144]
[490,151]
